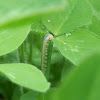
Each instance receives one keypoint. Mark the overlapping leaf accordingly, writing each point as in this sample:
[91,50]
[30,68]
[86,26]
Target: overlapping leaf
[76,14]
[25,75]
[12,37]
[95,22]
[77,44]
[83,83]
[16,17]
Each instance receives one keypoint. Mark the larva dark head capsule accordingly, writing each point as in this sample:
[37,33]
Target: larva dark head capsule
[49,37]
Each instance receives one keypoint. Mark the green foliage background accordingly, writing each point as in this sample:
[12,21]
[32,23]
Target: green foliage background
[74,71]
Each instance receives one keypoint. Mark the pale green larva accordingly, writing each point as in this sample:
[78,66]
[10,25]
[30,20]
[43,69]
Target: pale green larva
[45,51]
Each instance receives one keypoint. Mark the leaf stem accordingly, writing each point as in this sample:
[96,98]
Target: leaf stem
[21,53]
[31,47]
[1,59]
[60,35]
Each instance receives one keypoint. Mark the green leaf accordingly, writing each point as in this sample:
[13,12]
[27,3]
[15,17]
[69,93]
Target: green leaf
[56,56]
[95,22]
[13,10]
[95,4]
[16,18]
[77,44]
[94,26]
[39,28]
[76,14]
[83,82]
[25,75]
[12,37]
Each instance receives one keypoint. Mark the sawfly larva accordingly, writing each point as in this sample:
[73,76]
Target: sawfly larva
[45,51]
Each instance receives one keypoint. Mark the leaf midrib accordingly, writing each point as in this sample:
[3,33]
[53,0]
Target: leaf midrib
[66,18]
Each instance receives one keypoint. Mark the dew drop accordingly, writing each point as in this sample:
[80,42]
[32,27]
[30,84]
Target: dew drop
[53,45]
[36,30]
[68,34]
[64,43]
[49,20]
[74,50]
[47,31]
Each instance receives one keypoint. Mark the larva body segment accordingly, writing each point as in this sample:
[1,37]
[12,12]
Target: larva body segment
[45,51]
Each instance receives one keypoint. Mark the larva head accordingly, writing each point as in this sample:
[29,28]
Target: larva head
[49,37]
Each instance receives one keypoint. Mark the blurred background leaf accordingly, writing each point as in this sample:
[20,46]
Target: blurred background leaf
[76,20]
[16,18]
[31,95]
[23,9]
[83,82]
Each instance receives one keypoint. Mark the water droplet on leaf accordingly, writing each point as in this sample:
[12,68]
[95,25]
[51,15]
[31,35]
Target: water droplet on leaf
[53,45]
[36,30]
[64,43]
[68,34]
[74,50]
[49,20]
[47,31]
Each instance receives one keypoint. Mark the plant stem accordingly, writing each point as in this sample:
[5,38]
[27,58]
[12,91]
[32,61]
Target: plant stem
[21,53]
[31,47]
[18,58]
[47,73]
[21,59]
[1,59]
